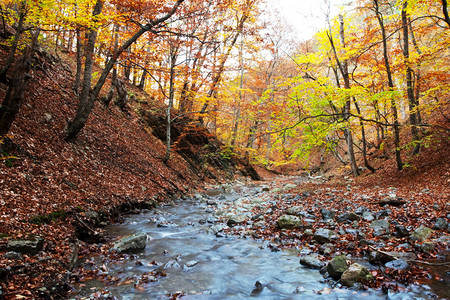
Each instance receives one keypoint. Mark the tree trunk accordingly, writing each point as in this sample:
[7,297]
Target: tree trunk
[85,106]
[391,88]
[173,60]
[15,43]
[343,67]
[238,108]
[122,95]
[14,96]
[409,82]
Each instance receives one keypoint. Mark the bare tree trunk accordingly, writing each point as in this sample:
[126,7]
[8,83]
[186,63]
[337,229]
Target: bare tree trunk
[391,88]
[364,141]
[173,60]
[14,95]
[241,86]
[409,82]
[76,84]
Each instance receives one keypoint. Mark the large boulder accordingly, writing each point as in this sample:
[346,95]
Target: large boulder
[312,261]
[323,235]
[337,266]
[289,222]
[355,273]
[131,243]
[29,246]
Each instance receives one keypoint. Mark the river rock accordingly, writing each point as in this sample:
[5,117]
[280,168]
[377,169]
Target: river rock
[172,264]
[397,264]
[294,210]
[355,273]
[13,255]
[134,242]
[380,227]
[368,216]
[30,246]
[401,231]
[191,263]
[422,233]
[236,219]
[327,214]
[323,235]
[337,266]
[289,222]
[440,224]
[312,262]
[426,246]
[351,216]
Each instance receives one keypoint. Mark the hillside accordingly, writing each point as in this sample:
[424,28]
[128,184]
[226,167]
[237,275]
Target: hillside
[51,188]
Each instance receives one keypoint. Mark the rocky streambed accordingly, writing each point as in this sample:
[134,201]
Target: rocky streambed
[239,241]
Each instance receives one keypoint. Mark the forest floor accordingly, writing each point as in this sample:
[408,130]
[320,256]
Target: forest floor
[55,196]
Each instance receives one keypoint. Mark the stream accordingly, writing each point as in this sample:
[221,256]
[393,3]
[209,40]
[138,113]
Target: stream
[185,256]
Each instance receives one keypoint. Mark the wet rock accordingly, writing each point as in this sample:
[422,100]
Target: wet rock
[422,233]
[289,222]
[397,264]
[131,243]
[355,273]
[323,235]
[326,249]
[380,227]
[401,231]
[312,262]
[216,229]
[377,257]
[236,219]
[172,264]
[191,263]
[327,214]
[368,216]
[30,246]
[337,266]
[13,255]
[351,216]
[440,224]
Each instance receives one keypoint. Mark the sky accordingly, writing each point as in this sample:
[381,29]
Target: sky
[307,16]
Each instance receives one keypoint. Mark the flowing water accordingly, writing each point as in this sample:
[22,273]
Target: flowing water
[203,266]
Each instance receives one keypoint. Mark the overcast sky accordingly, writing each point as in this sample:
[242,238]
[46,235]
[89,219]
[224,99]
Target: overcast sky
[307,16]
